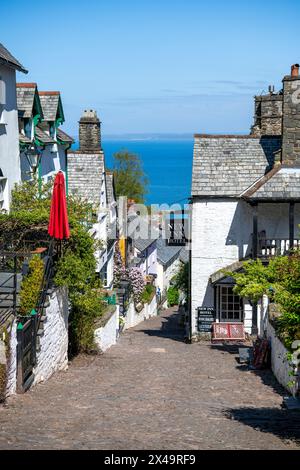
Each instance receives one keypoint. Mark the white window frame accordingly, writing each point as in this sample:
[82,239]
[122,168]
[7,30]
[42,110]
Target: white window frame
[229,312]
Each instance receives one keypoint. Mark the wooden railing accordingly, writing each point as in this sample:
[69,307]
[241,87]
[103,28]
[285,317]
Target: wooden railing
[268,247]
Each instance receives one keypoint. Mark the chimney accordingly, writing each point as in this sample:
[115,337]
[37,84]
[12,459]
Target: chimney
[267,114]
[89,132]
[291,119]
[295,70]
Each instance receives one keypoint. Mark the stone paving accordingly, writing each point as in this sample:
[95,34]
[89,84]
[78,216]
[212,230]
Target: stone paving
[152,391]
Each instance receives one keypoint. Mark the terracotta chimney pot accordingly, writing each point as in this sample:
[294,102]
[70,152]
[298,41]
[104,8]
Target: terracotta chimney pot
[295,70]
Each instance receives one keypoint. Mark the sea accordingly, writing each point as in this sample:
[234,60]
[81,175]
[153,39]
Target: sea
[167,164]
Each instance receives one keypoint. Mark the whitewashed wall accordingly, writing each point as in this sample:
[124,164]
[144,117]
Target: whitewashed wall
[53,354]
[107,335]
[221,234]
[279,362]
[11,386]
[133,317]
[165,272]
[9,132]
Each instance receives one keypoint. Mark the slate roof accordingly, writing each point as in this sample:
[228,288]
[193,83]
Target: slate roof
[7,58]
[225,165]
[24,139]
[166,253]
[142,243]
[110,190]
[50,101]
[41,135]
[184,255]
[26,94]
[63,136]
[280,184]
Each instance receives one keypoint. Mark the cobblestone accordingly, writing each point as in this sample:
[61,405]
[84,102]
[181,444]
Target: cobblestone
[152,391]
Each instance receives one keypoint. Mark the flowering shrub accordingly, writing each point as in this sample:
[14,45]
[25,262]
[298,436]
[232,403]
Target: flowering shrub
[120,271]
[137,284]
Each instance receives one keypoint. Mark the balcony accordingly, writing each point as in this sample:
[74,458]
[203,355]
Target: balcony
[269,247]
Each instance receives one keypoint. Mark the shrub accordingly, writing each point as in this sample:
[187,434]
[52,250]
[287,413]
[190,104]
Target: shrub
[31,286]
[173,296]
[148,293]
[137,284]
[280,281]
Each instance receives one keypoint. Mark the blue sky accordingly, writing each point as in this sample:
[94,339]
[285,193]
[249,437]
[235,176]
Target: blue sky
[155,65]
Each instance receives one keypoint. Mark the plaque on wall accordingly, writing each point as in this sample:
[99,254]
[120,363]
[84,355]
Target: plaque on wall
[206,317]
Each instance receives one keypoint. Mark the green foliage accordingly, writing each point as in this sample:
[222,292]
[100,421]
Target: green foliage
[148,293]
[173,296]
[77,270]
[182,279]
[87,307]
[31,286]
[280,280]
[130,179]
[28,220]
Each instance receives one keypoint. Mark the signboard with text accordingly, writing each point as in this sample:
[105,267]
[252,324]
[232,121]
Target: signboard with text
[206,317]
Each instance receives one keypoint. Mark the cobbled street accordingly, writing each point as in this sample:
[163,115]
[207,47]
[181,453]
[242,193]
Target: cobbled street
[153,391]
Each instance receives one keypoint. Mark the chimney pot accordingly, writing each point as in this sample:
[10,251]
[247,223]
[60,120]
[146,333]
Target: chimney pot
[295,70]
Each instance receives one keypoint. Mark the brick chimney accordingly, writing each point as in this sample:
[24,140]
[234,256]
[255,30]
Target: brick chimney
[89,132]
[291,118]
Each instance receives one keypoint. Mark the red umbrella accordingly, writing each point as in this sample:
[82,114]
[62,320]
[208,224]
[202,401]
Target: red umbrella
[58,222]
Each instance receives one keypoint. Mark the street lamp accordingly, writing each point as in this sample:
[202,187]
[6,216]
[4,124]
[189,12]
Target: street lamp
[33,158]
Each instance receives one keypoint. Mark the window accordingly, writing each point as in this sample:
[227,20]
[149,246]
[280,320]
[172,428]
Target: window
[230,305]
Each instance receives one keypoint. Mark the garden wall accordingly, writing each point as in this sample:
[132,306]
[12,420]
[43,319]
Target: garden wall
[53,353]
[279,361]
[133,317]
[107,333]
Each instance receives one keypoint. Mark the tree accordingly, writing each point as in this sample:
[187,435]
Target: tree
[280,281]
[130,179]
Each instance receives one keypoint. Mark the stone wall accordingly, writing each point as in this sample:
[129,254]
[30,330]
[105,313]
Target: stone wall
[268,115]
[279,362]
[53,353]
[89,132]
[11,386]
[107,333]
[291,120]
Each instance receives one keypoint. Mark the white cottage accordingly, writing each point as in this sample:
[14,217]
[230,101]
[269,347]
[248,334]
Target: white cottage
[9,135]
[245,195]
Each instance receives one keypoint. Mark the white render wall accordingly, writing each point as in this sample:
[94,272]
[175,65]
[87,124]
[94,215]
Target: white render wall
[133,317]
[221,235]
[9,132]
[166,272]
[107,335]
[279,361]
[11,386]
[53,354]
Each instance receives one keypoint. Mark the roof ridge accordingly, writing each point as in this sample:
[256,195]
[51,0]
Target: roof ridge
[26,85]
[49,93]
[261,181]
